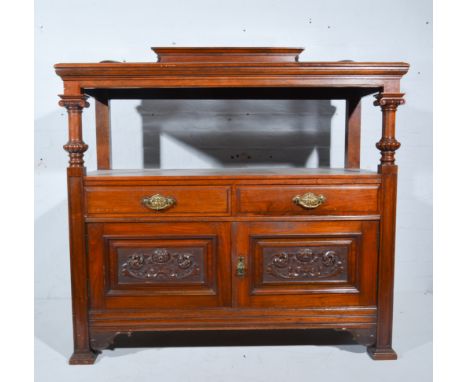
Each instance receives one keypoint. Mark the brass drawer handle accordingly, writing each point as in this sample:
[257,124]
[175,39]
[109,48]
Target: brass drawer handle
[240,269]
[158,202]
[309,200]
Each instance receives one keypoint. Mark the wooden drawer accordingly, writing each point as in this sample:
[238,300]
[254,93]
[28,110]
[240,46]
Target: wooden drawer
[279,200]
[193,200]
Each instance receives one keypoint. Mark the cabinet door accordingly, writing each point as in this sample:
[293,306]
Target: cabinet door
[159,265]
[305,264]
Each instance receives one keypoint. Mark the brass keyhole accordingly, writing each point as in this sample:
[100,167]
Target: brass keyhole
[240,269]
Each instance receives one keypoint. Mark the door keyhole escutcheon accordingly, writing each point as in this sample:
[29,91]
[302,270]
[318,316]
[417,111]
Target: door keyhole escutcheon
[240,269]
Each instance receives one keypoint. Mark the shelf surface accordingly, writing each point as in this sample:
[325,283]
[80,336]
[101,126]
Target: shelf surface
[233,173]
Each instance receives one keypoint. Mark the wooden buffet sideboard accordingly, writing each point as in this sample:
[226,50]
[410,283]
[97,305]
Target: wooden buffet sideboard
[163,250]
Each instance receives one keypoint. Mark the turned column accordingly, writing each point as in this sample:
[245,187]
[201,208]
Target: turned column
[78,261]
[388,144]
[382,349]
[75,145]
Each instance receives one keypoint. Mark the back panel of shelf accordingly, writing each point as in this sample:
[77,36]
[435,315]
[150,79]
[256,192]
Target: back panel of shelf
[224,133]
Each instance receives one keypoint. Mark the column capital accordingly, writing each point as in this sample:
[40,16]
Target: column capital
[389,101]
[73,102]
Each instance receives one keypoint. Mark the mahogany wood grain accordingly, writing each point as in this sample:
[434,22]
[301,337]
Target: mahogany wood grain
[103,133]
[232,319]
[247,73]
[278,200]
[226,55]
[210,239]
[194,200]
[361,239]
[389,102]
[382,350]
[135,269]
[353,133]
[388,144]
[78,255]
[235,175]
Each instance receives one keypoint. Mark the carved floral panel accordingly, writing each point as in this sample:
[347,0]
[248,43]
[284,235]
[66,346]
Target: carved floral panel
[161,265]
[302,264]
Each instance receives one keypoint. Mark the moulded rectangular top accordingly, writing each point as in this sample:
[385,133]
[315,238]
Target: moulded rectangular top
[203,54]
[223,67]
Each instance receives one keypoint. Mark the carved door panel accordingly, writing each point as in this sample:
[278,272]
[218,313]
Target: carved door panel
[159,265]
[305,264]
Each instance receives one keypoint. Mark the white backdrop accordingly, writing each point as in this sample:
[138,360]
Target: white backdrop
[359,30]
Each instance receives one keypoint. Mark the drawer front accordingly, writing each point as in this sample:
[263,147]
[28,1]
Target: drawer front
[305,264]
[145,266]
[307,200]
[167,200]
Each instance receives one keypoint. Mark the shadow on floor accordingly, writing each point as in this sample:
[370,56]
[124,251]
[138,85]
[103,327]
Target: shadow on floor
[342,340]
